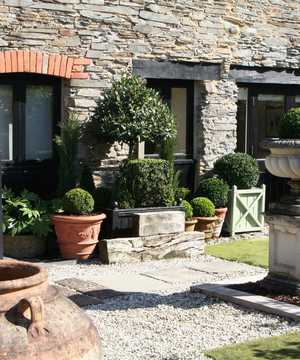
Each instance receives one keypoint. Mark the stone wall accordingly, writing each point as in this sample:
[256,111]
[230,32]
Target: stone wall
[113,32]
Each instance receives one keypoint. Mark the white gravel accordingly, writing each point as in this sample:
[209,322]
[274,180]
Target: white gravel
[170,324]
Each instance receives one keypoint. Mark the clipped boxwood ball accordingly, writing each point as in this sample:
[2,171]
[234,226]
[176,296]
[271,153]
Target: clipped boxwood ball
[188,209]
[203,207]
[289,127]
[78,202]
[238,169]
[215,190]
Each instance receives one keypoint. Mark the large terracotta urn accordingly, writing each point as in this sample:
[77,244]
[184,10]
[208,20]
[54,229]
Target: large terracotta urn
[37,322]
[77,235]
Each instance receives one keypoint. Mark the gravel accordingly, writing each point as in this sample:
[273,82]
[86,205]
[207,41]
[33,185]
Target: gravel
[170,324]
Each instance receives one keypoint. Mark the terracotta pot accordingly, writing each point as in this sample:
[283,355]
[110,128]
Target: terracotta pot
[77,235]
[24,246]
[190,225]
[221,214]
[37,322]
[206,225]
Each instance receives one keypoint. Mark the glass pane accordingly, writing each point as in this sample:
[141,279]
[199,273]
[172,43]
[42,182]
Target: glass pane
[268,112]
[38,127]
[6,117]
[179,107]
[242,120]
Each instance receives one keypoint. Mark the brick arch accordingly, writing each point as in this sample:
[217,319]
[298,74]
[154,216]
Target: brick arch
[19,61]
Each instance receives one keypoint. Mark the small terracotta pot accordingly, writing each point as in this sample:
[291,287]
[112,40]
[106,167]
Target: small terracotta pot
[77,236]
[206,225]
[190,225]
[221,214]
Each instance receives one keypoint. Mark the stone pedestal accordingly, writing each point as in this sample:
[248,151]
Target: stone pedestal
[284,251]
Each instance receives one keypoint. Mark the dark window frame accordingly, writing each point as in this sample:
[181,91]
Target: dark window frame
[19,83]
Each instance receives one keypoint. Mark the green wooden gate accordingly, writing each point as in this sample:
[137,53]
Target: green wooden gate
[245,210]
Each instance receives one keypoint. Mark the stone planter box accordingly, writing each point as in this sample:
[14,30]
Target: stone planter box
[245,210]
[24,246]
[120,222]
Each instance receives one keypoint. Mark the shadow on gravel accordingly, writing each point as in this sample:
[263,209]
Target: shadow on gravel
[182,300]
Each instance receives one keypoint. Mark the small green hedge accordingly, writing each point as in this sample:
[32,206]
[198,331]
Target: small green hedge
[203,207]
[289,127]
[188,209]
[215,190]
[144,183]
[238,169]
[77,202]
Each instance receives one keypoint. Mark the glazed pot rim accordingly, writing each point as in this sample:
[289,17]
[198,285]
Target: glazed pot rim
[279,143]
[27,275]
[78,218]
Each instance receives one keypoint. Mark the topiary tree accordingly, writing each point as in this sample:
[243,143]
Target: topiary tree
[238,169]
[130,112]
[203,207]
[289,127]
[77,202]
[215,190]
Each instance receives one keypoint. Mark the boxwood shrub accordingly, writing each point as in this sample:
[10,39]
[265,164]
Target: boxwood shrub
[144,183]
[215,190]
[203,207]
[289,127]
[238,169]
[77,202]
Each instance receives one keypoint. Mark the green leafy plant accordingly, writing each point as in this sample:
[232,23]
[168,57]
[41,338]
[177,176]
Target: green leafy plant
[67,144]
[77,202]
[144,183]
[203,207]
[26,214]
[103,198]
[130,112]
[238,169]
[188,209]
[215,190]
[289,127]
[182,193]
[87,181]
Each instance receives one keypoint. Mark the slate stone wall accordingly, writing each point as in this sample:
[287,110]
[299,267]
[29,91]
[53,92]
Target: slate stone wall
[111,33]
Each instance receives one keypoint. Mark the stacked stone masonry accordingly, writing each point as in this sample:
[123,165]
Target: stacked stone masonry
[111,33]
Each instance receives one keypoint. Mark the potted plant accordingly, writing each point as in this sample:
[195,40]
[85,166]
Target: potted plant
[77,229]
[246,203]
[189,221]
[216,190]
[26,224]
[204,213]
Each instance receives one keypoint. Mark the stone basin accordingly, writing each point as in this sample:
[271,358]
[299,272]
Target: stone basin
[284,160]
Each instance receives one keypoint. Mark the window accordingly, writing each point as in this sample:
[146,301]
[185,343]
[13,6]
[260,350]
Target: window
[259,110]
[29,110]
[178,94]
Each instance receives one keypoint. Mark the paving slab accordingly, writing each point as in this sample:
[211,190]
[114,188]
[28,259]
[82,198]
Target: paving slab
[78,298]
[255,302]
[217,267]
[173,276]
[89,288]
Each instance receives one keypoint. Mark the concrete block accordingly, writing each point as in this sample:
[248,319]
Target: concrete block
[158,223]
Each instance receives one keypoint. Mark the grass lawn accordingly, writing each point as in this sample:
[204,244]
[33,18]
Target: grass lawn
[252,252]
[285,347]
